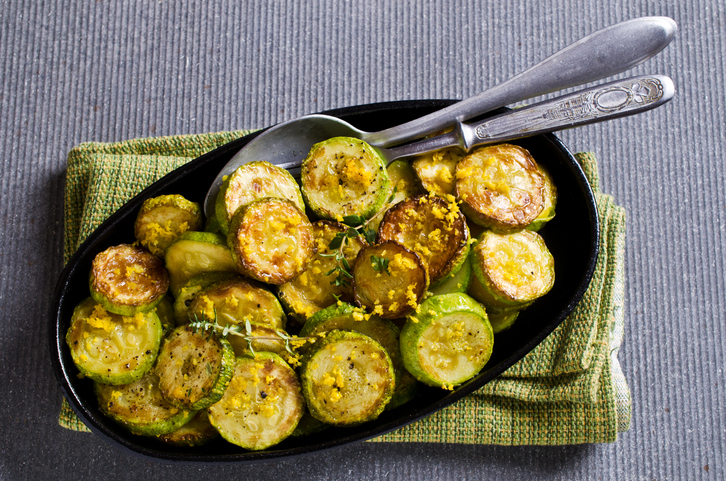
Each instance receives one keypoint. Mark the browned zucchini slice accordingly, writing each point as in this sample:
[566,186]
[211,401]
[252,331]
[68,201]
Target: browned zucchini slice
[196,253]
[161,220]
[437,170]
[192,287]
[550,201]
[140,407]
[197,432]
[252,181]
[194,368]
[344,176]
[433,228]
[348,379]
[127,279]
[111,348]
[235,301]
[511,270]
[448,341]
[320,286]
[389,279]
[262,405]
[500,187]
[404,184]
[271,240]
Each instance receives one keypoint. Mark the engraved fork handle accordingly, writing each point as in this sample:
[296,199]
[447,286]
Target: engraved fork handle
[603,102]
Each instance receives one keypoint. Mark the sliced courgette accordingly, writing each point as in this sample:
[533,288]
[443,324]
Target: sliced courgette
[501,321]
[165,311]
[140,407]
[194,368]
[252,181]
[161,220]
[437,170]
[235,301]
[458,281]
[262,405]
[195,253]
[321,285]
[389,279]
[347,379]
[550,201]
[344,176]
[127,279]
[190,289]
[197,432]
[403,184]
[271,240]
[510,270]
[500,187]
[432,227]
[111,348]
[448,341]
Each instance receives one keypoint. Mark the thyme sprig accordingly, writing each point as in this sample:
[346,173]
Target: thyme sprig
[357,227]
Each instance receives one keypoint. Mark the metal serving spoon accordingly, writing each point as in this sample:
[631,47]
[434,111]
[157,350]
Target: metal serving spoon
[601,54]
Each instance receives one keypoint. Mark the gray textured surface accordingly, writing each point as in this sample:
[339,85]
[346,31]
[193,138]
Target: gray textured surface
[108,71]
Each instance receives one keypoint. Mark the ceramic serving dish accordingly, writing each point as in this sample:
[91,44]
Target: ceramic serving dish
[572,237]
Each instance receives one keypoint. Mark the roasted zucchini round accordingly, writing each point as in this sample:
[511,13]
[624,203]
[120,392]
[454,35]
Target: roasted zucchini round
[500,187]
[510,270]
[437,170]
[161,220]
[192,287]
[262,405]
[252,181]
[389,279]
[550,201]
[197,432]
[403,184]
[140,407]
[271,240]
[448,341]
[344,176]
[111,348]
[321,285]
[195,253]
[127,279]
[347,379]
[194,367]
[433,228]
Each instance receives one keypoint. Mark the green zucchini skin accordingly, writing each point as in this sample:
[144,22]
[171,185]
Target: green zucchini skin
[140,407]
[500,281]
[254,181]
[448,341]
[161,220]
[457,281]
[110,348]
[126,279]
[348,379]
[196,253]
[191,287]
[262,405]
[550,201]
[194,368]
[501,321]
[344,176]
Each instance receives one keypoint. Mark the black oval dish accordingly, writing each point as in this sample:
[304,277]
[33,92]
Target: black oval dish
[572,238]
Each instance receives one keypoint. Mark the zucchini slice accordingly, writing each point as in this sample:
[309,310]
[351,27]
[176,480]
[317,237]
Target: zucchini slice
[550,201]
[111,348]
[448,341]
[347,379]
[195,253]
[344,176]
[501,321]
[404,184]
[252,181]
[262,405]
[308,425]
[319,287]
[511,270]
[194,368]
[197,432]
[140,407]
[458,281]
[389,279]
[235,301]
[190,289]
[165,311]
[500,187]
[161,220]
[437,170]
[433,228]
[266,339]
[127,279]
[271,240]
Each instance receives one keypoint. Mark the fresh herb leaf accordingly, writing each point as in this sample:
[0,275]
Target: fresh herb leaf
[380,264]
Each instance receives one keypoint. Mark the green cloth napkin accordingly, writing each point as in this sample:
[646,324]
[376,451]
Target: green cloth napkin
[569,390]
